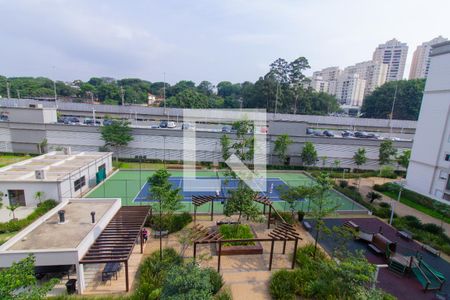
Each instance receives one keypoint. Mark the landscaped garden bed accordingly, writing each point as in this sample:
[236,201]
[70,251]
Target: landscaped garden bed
[238,232]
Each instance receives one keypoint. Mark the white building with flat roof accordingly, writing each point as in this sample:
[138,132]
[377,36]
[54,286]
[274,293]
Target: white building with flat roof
[421,58]
[59,175]
[393,53]
[429,167]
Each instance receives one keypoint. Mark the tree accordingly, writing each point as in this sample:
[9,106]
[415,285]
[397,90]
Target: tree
[281,146]
[13,208]
[360,157]
[39,196]
[161,190]
[42,146]
[336,163]
[188,98]
[309,154]
[241,202]
[403,159]
[205,87]
[321,205]
[372,196]
[408,99]
[117,135]
[297,79]
[386,152]
[1,199]
[19,281]
[293,194]
[225,142]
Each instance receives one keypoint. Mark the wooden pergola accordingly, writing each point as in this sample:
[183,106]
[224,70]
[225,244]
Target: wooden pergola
[283,232]
[117,240]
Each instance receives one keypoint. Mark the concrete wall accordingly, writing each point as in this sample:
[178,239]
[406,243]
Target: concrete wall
[30,188]
[38,115]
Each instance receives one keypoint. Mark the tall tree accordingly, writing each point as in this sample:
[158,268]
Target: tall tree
[297,79]
[360,157]
[188,98]
[309,154]
[293,194]
[225,142]
[408,98]
[403,159]
[162,190]
[386,152]
[281,147]
[117,135]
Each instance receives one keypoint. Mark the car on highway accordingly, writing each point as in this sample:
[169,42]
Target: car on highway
[347,134]
[88,121]
[71,120]
[187,126]
[361,134]
[167,124]
[107,122]
[329,133]
[4,118]
[318,133]
[309,131]
[227,128]
[373,136]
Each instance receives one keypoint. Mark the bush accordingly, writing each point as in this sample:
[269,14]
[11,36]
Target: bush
[16,225]
[224,294]
[236,231]
[432,228]
[287,217]
[215,279]
[305,254]
[300,215]
[384,205]
[283,285]
[172,223]
[388,172]
[343,183]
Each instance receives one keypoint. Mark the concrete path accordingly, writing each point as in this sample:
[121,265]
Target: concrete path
[400,209]
[21,213]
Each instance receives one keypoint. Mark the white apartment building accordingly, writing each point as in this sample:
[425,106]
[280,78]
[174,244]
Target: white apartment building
[350,90]
[329,75]
[393,53]
[319,85]
[429,167]
[373,72]
[421,58]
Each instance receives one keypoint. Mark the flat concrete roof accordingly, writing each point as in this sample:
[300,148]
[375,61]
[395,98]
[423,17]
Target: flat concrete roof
[56,166]
[52,235]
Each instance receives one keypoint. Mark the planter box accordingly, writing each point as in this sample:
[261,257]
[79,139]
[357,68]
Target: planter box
[241,250]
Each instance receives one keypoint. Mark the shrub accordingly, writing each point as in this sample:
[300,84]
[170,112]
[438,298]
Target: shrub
[300,215]
[283,285]
[343,183]
[172,222]
[223,294]
[215,279]
[388,172]
[187,282]
[304,255]
[384,205]
[236,231]
[287,217]
[432,228]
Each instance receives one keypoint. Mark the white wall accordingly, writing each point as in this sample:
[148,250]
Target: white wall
[30,188]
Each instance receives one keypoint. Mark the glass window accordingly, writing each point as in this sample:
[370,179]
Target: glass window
[79,183]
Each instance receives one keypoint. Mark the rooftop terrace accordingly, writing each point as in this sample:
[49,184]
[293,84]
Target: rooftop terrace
[56,166]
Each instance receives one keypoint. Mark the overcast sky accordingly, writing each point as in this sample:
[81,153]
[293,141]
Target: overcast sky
[203,39]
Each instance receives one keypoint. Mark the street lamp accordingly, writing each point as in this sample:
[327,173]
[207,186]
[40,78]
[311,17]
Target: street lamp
[393,203]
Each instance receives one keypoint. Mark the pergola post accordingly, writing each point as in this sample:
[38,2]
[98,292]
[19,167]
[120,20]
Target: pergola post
[219,254]
[142,240]
[270,216]
[127,281]
[212,209]
[295,253]
[80,278]
[264,209]
[271,254]
[195,214]
[195,250]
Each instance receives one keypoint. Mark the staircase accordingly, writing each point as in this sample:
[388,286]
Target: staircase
[397,267]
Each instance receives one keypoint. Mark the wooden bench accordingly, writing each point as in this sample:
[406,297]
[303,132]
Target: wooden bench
[158,233]
[375,249]
[110,270]
[307,225]
[227,222]
[431,250]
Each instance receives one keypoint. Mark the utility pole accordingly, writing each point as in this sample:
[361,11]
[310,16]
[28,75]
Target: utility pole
[18,94]
[54,90]
[276,98]
[7,89]
[392,110]
[122,95]
[164,92]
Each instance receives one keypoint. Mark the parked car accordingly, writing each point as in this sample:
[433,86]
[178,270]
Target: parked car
[171,124]
[361,134]
[4,118]
[227,128]
[167,124]
[348,134]
[318,133]
[91,122]
[309,131]
[71,120]
[187,126]
[329,133]
[264,130]
[107,122]
[373,136]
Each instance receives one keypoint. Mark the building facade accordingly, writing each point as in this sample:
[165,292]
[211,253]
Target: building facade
[421,58]
[329,75]
[350,89]
[429,167]
[373,72]
[393,53]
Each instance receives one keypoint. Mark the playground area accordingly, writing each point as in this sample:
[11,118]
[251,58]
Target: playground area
[132,187]
[410,271]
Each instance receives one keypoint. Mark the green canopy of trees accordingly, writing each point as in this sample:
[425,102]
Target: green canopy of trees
[407,100]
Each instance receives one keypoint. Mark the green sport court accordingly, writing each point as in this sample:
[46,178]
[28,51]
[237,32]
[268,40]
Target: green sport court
[128,184]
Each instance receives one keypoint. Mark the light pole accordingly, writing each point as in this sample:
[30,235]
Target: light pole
[393,203]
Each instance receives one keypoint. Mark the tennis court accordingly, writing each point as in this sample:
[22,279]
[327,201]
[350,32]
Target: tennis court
[132,187]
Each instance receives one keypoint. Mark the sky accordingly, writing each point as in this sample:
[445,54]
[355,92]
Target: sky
[203,39]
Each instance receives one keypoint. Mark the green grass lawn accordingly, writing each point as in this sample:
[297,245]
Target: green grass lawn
[126,184]
[6,236]
[7,159]
[426,210]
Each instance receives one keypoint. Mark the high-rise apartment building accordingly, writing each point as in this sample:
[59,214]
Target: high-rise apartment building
[393,53]
[421,58]
[329,75]
[429,167]
[373,72]
[350,89]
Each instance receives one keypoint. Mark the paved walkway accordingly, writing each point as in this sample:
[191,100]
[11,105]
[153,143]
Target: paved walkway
[400,209]
[21,213]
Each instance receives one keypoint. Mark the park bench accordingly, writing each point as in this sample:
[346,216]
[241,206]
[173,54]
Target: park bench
[110,270]
[431,250]
[158,233]
[404,234]
[307,225]
[375,249]
[227,222]
[41,271]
